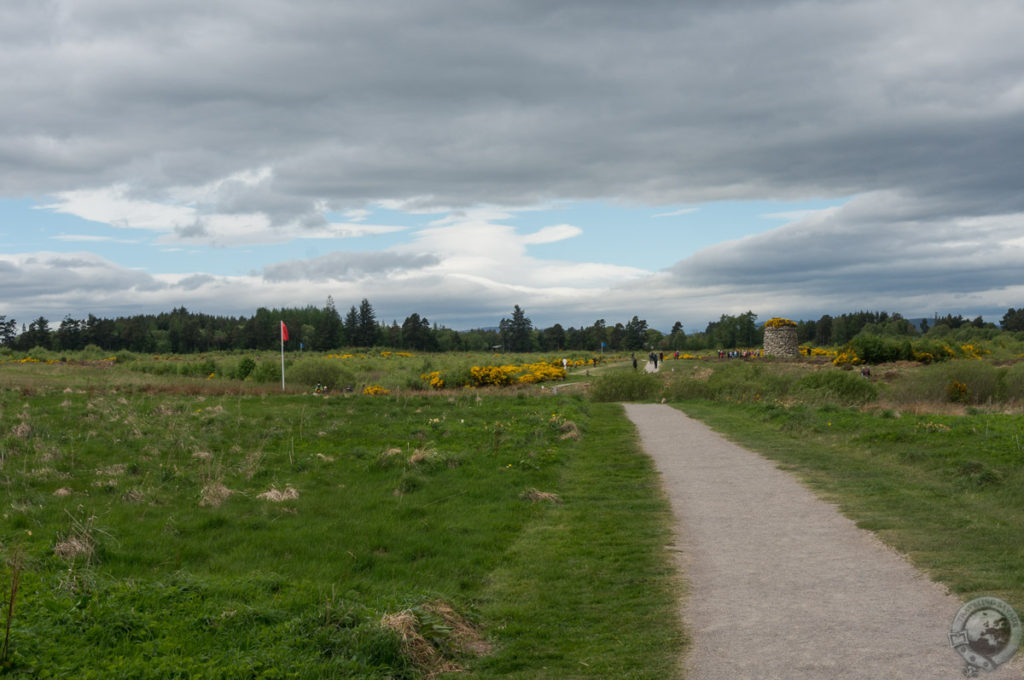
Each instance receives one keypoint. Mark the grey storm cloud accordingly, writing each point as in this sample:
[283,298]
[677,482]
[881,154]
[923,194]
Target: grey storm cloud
[514,102]
[342,265]
[886,250]
[291,110]
[56,276]
[195,281]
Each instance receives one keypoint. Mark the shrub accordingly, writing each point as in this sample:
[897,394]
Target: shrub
[326,372]
[742,381]
[1013,382]
[957,391]
[980,380]
[625,386]
[834,386]
[875,350]
[198,368]
[687,388]
[42,354]
[268,371]
[244,368]
[94,352]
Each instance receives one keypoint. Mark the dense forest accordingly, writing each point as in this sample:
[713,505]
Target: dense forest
[323,328]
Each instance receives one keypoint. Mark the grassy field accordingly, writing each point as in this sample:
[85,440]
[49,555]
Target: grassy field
[183,517]
[341,371]
[169,526]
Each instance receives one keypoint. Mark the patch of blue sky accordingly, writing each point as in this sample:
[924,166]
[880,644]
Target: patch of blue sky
[26,228]
[644,237]
[654,238]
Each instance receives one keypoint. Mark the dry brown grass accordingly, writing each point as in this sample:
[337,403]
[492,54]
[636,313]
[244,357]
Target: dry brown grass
[74,546]
[702,374]
[275,495]
[535,496]
[569,431]
[251,465]
[427,453]
[433,635]
[213,494]
[133,496]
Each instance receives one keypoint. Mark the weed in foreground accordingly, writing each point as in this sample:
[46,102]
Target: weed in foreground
[15,564]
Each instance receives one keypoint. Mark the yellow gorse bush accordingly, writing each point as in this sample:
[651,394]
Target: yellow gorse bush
[972,352]
[846,356]
[541,372]
[940,354]
[374,390]
[501,375]
[493,375]
[433,379]
[778,322]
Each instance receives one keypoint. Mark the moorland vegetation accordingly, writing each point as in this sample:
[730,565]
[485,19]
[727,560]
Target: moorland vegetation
[179,515]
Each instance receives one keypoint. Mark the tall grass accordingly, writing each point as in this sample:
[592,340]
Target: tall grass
[625,385]
[239,535]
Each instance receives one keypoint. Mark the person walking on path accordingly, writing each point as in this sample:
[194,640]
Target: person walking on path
[780,584]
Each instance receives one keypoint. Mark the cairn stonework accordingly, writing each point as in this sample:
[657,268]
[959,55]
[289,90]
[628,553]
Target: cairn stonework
[780,341]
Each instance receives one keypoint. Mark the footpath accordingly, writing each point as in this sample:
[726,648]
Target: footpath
[780,585]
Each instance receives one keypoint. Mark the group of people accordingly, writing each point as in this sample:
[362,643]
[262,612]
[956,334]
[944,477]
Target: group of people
[737,354]
[654,358]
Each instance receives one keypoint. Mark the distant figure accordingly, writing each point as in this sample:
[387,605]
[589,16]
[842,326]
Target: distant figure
[866,372]
[634,361]
[565,364]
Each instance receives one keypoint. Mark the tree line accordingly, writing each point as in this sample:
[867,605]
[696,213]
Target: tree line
[323,329]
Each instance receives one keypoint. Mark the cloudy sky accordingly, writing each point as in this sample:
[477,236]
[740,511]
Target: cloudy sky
[453,158]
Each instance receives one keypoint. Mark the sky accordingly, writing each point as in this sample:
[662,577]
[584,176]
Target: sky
[581,159]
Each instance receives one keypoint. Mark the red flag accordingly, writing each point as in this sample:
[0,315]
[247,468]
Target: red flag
[284,332]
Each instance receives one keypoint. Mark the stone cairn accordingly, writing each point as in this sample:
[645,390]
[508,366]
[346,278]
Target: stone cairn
[780,338]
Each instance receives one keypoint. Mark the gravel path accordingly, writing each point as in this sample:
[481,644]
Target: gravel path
[780,584]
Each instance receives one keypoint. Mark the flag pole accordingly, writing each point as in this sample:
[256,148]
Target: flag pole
[281,330]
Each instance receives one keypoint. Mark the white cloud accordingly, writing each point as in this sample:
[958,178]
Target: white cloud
[677,213]
[357,214]
[798,215]
[552,234]
[187,216]
[113,205]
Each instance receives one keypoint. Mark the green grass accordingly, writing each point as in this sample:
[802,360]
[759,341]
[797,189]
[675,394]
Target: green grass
[402,501]
[556,605]
[341,370]
[947,491]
